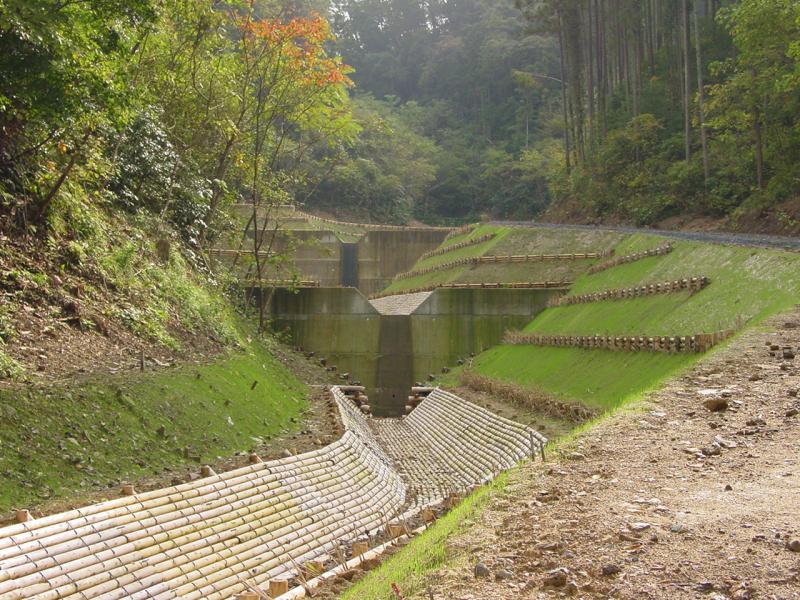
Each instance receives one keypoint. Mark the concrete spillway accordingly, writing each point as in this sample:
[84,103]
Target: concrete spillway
[390,343]
[221,535]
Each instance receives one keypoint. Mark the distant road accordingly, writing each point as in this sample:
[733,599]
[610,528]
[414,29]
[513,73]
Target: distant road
[718,237]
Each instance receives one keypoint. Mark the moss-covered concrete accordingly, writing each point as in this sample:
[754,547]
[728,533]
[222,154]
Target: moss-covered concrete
[388,353]
[367,259]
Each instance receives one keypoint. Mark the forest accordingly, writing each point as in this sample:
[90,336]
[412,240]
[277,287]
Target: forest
[443,111]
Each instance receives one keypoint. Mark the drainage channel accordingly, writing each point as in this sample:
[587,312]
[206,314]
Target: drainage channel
[273,527]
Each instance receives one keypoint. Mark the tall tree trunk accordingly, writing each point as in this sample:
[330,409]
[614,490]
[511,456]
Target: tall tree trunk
[687,81]
[700,99]
[564,109]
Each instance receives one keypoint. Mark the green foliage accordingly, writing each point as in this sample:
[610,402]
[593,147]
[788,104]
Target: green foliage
[467,76]
[9,368]
[383,173]
[635,167]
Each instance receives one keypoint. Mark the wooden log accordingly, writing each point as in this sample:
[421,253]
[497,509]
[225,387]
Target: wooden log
[278,587]
[23,516]
[428,515]
[128,489]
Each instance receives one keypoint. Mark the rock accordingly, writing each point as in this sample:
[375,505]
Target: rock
[641,526]
[503,575]
[556,578]
[793,546]
[704,586]
[678,528]
[481,570]
[792,412]
[610,569]
[793,393]
[724,443]
[716,404]
[788,354]
[755,377]
[757,422]
[712,451]
[728,487]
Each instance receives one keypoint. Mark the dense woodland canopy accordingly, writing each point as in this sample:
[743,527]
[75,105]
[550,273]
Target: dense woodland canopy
[441,110]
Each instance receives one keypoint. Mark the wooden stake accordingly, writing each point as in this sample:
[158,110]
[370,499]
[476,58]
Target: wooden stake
[278,587]
[128,489]
[23,516]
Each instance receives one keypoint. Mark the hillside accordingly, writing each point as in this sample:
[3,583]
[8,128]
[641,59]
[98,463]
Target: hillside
[749,290]
[121,362]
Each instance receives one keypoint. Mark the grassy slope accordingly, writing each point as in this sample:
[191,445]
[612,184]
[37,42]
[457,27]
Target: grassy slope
[512,241]
[56,441]
[747,286]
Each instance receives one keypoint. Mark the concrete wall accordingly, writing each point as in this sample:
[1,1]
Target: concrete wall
[388,353]
[336,323]
[384,254]
[369,262]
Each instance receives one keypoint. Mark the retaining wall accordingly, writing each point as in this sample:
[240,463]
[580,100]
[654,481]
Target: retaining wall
[387,352]
[700,342]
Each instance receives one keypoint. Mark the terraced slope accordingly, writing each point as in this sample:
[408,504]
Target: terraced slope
[746,286]
[510,241]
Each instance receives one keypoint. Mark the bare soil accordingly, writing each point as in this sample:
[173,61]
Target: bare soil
[60,322]
[670,500]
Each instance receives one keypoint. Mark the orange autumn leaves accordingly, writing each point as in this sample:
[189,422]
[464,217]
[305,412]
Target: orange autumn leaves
[299,45]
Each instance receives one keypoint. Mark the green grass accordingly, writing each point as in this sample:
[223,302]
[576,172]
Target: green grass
[61,441]
[747,285]
[410,567]
[599,378]
[469,251]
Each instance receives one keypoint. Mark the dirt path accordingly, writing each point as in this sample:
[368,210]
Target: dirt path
[673,501]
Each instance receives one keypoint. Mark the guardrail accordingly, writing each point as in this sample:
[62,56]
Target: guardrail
[650,289]
[700,342]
